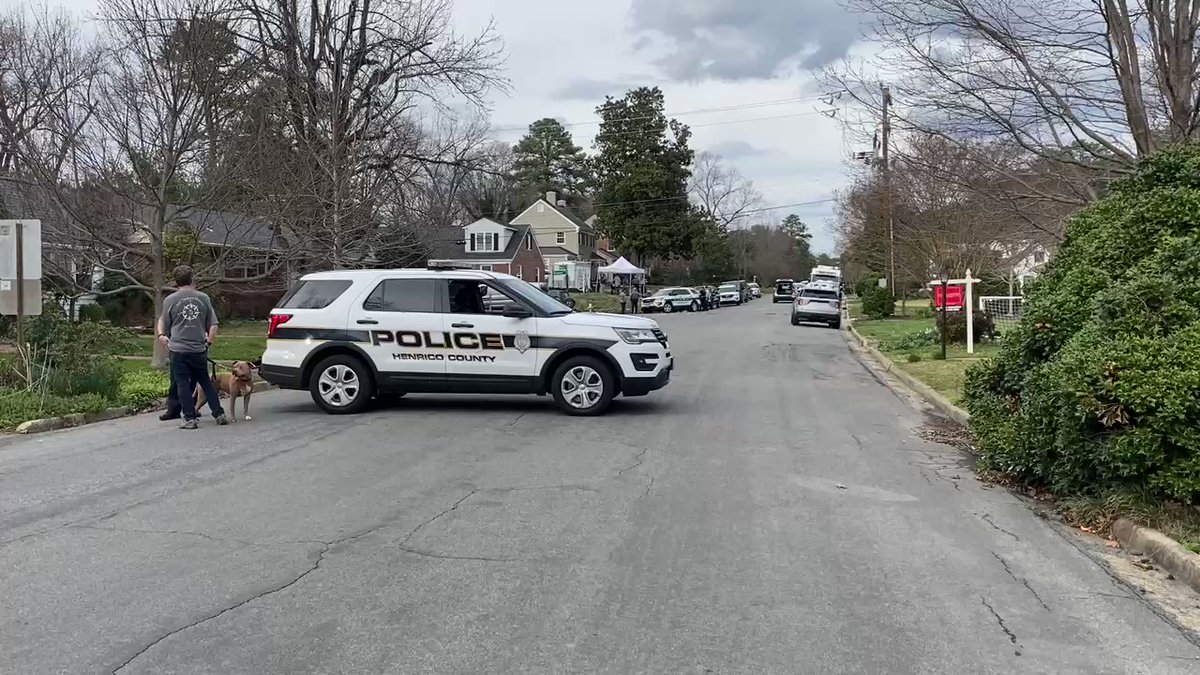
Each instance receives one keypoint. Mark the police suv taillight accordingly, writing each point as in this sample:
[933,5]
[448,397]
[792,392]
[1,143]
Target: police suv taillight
[276,321]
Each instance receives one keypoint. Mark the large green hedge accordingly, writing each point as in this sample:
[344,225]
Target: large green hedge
[1098,388]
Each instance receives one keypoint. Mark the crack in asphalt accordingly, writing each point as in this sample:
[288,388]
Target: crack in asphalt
[1020,580]
[1000,620]
[447,556]
[201,535]
[326,546]
[648,486]
[987,518]
[637,461]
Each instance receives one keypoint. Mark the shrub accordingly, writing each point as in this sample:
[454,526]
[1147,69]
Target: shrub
[865,284]
[21,406]
[955,326]
[1098,388]
[912,340]
[92,313]
[878,303]
[142,388]
[912,357]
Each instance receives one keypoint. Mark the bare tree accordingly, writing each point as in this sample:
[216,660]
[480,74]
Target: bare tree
[348,77]
[47,70]
[725,195]
[1078,90]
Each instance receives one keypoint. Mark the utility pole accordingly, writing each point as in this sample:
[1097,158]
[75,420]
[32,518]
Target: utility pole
[887,188]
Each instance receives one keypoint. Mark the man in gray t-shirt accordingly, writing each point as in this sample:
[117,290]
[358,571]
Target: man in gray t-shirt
[187,327]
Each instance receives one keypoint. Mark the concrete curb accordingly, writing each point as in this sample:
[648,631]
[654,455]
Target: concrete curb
[68,421]
[928,393]
[1168,553]
[80,419]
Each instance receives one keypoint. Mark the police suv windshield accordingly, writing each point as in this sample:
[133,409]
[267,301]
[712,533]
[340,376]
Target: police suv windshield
[533,297]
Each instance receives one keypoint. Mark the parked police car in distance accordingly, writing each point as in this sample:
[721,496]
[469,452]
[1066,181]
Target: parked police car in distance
[348,336]
[672,300]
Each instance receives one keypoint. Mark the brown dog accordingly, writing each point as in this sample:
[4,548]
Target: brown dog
[239,381]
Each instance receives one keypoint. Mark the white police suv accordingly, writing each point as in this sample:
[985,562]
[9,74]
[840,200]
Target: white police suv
[348,336]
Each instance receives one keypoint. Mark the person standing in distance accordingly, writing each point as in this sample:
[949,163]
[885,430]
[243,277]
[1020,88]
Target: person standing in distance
[187,328]
[635,300]
[623,298]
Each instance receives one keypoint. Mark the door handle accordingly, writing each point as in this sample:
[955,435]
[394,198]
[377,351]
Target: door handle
[462,324]
[368,322]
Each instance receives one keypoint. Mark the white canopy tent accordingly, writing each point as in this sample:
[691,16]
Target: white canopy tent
[622,266]
[623,273]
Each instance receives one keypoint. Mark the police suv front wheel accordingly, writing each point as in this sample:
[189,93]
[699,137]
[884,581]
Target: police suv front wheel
[341,385]
[583,385]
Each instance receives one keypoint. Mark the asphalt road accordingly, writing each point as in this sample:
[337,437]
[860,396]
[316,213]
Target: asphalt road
[772,511]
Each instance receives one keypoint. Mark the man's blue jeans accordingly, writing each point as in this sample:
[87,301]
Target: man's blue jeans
[191,369]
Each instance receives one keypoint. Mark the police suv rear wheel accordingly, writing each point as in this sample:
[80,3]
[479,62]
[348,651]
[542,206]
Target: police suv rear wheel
[341,385]
[583,386]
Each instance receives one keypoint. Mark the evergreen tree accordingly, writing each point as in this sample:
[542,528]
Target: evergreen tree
[547,159]
[643,167]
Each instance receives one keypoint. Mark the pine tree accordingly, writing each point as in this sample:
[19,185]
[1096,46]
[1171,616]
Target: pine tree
[547,159]
[642,168]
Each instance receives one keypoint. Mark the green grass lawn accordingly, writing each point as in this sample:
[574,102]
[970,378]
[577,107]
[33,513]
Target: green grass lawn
[944,376]
[601,302]
[226,348]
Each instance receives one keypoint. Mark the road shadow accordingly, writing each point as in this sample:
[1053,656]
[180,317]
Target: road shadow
[451,403]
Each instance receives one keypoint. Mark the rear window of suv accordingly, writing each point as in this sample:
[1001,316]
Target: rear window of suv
[819,293]
[314,294]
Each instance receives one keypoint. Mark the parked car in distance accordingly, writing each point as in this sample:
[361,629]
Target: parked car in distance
[729,294]
[676,299]
[755,290]
[561,295]
[785,290]
[817,304]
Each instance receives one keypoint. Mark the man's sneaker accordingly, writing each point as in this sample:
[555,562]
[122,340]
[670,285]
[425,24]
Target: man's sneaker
[168,416]
[190,424]
[222,419]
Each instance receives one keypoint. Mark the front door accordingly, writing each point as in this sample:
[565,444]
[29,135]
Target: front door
[404,321]
[491,352]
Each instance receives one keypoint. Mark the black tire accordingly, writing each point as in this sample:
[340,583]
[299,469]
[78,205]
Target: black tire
[668,307]
[608,384]
[695,306]
[836,324]
[362,394]
[795,321]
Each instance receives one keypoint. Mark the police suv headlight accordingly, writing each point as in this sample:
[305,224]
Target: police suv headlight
[636,336]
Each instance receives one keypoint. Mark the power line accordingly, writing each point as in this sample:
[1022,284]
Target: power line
[698,111]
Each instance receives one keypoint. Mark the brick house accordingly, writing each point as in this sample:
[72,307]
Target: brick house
[488,245]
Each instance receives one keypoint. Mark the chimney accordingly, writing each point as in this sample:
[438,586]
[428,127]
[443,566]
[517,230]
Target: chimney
[562,203]
[552,197]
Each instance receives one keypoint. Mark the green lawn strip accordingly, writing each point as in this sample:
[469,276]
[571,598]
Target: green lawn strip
[946,377]
[601,302]
[226,348]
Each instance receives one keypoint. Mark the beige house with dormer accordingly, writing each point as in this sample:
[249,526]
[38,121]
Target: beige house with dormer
[561,234]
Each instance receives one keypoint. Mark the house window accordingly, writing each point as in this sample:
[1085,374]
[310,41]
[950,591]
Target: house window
[560,237]
[474,245]
[485,268]
[495,241]
[1039,257]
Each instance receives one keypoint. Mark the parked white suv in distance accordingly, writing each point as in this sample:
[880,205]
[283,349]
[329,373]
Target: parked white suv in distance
[672,300]
[348,336]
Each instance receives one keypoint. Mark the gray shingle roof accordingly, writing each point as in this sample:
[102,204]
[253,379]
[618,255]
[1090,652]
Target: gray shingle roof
[446,249]
[222,228]
[23,199]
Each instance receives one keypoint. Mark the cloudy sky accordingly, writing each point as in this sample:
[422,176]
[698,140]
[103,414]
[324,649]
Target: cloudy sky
[750,59]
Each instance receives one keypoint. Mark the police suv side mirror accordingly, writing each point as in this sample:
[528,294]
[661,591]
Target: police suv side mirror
[516,311]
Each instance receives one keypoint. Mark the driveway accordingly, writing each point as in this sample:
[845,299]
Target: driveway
[772,511]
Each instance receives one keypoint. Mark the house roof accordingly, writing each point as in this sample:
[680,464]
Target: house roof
[24,199]
[555,250]
[223,228]
[445,249]
[565,212]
